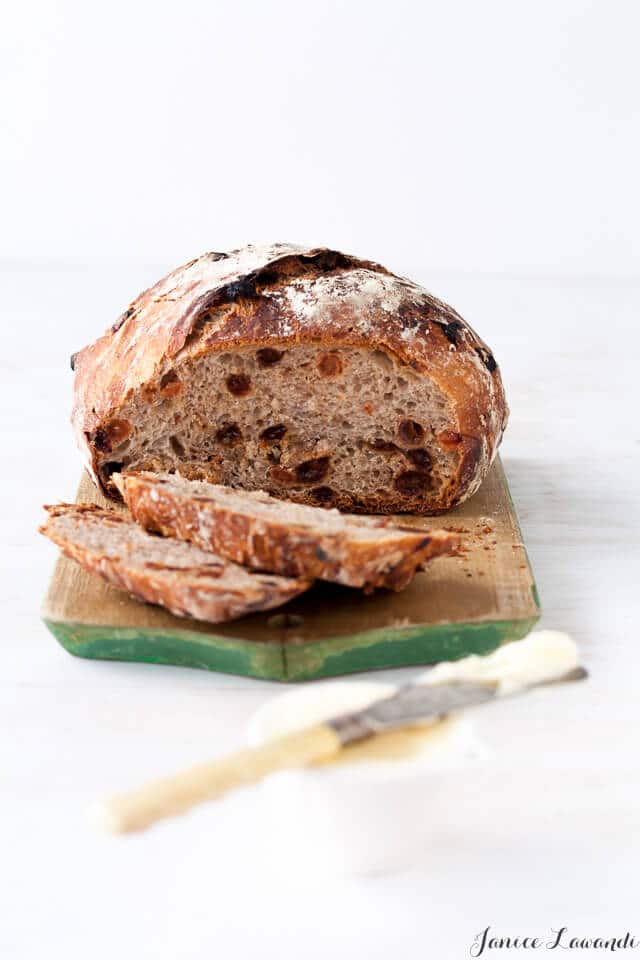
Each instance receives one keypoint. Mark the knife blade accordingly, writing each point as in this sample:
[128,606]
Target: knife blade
[416,703]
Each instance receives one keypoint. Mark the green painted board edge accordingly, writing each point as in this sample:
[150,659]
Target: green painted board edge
[370,650]
[409,646]
[182,648]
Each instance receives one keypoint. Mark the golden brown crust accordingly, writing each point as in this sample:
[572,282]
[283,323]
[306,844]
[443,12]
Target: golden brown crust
[280,296]
[195,591]
[279,544]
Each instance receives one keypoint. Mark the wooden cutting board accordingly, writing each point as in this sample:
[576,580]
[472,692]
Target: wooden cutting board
[460,605]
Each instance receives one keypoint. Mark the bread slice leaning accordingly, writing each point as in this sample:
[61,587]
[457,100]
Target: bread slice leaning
[265,533]
[179,576]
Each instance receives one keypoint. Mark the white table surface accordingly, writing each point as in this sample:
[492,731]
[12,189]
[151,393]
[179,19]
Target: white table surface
[546,835]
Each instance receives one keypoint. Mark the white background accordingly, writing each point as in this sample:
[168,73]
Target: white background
[490,150]
[484,136]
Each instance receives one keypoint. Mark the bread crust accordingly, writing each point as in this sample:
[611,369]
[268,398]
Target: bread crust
[279,544]
[193,592]
[284,295]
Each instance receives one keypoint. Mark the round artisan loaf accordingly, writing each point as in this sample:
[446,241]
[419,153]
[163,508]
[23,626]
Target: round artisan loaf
[316,376]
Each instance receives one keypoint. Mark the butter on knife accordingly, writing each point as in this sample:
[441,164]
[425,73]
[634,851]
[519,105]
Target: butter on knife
[542,658]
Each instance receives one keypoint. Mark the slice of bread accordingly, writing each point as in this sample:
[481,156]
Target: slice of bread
[179,576]
[260,531]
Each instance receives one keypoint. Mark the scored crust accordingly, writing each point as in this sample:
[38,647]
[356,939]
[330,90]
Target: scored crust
[179,576]
[284,296]
[265,533]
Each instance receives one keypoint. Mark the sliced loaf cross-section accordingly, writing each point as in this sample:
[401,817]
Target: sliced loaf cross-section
[316,376]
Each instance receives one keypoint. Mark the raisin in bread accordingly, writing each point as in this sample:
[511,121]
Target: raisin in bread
[179,576]
[316,376]
[262,532]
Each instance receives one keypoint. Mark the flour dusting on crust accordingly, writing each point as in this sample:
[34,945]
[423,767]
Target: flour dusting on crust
[277,297]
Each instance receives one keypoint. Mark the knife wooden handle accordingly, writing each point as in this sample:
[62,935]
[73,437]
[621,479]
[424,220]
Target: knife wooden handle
[170,796]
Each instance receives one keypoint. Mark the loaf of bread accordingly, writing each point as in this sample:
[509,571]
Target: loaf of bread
[179,576]
[264,533]
[316,376]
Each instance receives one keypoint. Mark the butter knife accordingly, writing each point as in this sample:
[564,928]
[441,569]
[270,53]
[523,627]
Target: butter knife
[409,705]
